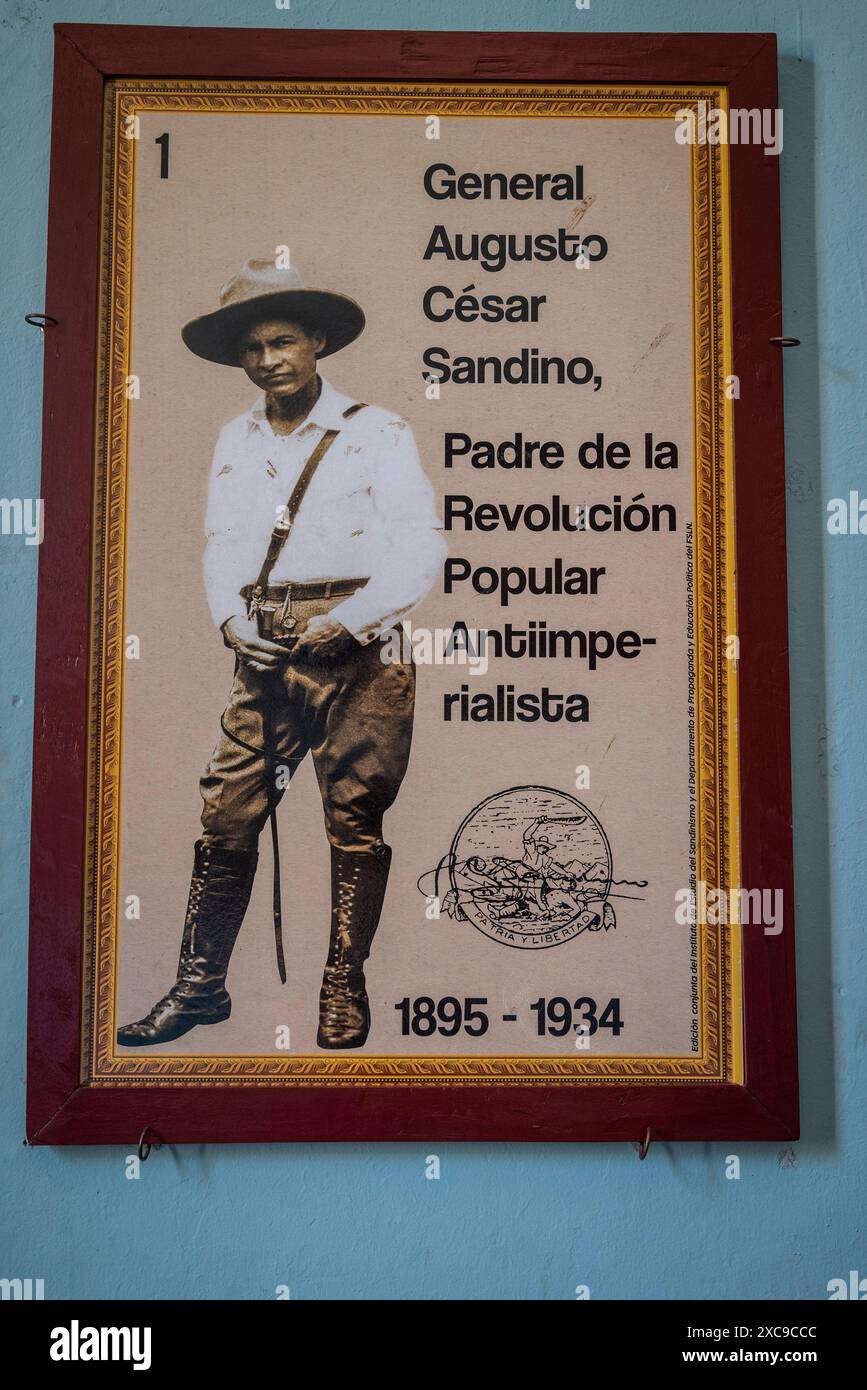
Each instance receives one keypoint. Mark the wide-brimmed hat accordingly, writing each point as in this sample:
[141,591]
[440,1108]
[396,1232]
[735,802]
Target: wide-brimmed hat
[261,290]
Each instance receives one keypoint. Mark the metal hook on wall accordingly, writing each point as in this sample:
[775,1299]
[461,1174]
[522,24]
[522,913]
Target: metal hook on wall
[144,1147]
[644,1144]
[41,321]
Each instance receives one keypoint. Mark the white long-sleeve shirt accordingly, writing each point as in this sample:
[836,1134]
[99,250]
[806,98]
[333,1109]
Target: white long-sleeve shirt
[369,512]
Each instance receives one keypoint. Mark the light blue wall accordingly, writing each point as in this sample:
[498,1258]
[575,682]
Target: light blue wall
[510,1221]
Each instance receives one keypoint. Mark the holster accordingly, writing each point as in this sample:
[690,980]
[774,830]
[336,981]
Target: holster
[273,617]
[281,610]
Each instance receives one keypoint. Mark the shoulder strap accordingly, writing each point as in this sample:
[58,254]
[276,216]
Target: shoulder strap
[283,527]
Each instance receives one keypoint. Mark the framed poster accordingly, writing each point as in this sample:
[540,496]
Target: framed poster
[412,745]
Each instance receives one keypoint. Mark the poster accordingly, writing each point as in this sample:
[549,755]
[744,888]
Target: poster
[533,707]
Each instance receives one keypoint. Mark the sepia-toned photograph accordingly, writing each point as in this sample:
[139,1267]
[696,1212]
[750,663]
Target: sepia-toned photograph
[423,580]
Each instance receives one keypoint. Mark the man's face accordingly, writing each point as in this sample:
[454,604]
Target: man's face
[279,356]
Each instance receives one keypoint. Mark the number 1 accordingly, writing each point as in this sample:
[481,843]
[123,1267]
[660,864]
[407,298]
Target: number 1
[163,142]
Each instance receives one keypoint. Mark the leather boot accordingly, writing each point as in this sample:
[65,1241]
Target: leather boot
[358,880]
[219,893]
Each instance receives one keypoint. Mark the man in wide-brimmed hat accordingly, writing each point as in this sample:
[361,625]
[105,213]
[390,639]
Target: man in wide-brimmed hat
[301,590]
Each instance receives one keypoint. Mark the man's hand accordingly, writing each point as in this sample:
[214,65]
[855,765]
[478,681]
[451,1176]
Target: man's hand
[242,635]
[323,639]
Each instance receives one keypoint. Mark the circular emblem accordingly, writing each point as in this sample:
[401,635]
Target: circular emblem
[531,867]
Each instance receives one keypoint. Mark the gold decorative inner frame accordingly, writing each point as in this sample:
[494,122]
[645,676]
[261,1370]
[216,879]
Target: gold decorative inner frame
[720,1056]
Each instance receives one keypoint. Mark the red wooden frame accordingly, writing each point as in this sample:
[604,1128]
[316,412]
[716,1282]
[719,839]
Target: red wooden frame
[60,1109]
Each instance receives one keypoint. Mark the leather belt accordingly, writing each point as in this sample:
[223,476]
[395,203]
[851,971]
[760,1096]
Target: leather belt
[301,589]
